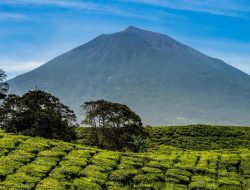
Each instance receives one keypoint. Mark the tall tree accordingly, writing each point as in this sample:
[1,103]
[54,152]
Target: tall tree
[37,113]
[113,124]
[4,87]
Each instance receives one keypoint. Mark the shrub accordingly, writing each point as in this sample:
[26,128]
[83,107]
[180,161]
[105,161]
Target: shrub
[182,175]
[79,154]
[52,184]
[151,170]
[46,161]
[148,178]
[139,143]
[21,156]
[20,179]
[10,142]
[82,162]
[151,186]
[173,186]
[8,166]
[86,183]
[34,145]
[95,175]
[51,153]
[114,185]
[35,170]
[203,182]
[130,162]
[123,175]
[156,164]
[69,171]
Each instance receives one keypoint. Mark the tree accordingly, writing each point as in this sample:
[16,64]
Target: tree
[37,113]
[4,87]
[113,124]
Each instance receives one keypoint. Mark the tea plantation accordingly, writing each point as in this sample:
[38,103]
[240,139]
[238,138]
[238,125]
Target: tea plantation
[175,162]
[200,137]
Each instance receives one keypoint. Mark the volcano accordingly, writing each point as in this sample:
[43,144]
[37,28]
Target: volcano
[164,81]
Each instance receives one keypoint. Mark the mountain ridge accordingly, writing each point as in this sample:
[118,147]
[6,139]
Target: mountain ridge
[152,73]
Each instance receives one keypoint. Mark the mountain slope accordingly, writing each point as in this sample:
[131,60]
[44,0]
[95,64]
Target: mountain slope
[163,80]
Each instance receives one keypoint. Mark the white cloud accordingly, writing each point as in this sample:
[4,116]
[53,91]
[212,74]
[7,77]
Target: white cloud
[222,7]
[20,67]
[84,6]
[12,16]
[62,3]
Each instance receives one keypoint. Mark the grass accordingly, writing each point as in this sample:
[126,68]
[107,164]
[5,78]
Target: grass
[175,162]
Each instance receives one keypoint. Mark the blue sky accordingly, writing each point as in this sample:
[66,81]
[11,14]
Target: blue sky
[35,31]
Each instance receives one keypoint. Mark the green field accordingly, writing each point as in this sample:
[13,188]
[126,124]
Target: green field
[194,157]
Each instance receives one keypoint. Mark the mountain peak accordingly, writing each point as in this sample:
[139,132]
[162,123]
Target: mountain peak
[133,29]
[163,80]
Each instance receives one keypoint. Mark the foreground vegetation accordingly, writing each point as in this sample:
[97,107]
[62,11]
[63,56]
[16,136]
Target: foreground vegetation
[37,163]
[170,158]
[200,137]
[193,137]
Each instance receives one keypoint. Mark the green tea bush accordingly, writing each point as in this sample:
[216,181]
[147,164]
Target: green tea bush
[245,167]
[52,184]
[35,170]
[200,137]
[182,175]
[34,145]
[114,185]
[46,161]
[82,162]
[36,163]
[173,186]
[149,178]
[68,172]
[203,182]
[207,164]
[124,176]
[79,154]
[51,153]
[62,147]
[130,162]
[95,174]
[19,180]
[156,164]
[187,161]
[86,183]
[3,152]
[21,156]
[151,170]
[8,166]
[229,183]
[149,186]
[10,142]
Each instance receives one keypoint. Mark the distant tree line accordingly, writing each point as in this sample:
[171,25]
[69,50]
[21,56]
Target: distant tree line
[113,126]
